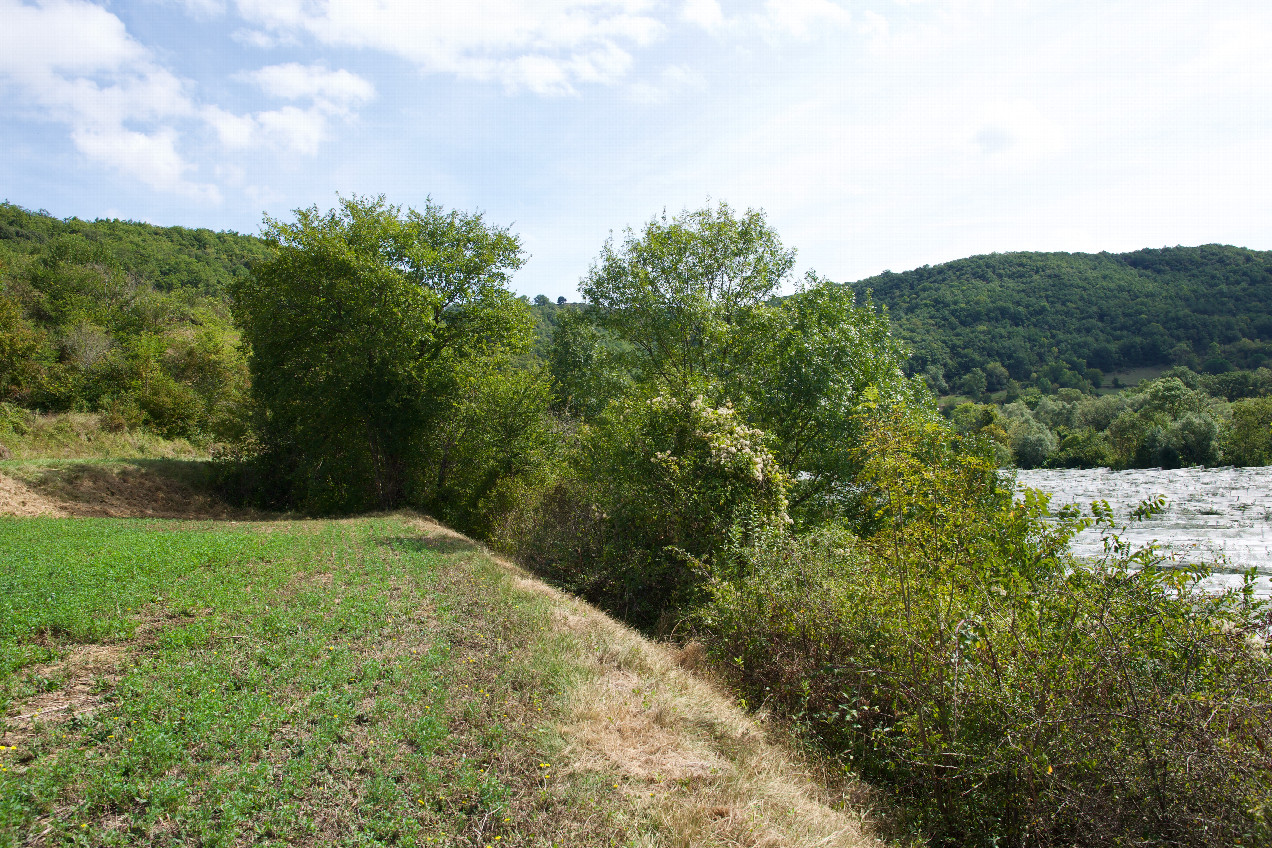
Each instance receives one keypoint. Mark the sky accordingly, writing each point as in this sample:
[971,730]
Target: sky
[875,134]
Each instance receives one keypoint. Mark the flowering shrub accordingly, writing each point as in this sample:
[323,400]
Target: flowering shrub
[653,492]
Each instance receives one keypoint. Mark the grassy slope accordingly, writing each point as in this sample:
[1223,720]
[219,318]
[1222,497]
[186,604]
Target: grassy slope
[25,434]
[373,681]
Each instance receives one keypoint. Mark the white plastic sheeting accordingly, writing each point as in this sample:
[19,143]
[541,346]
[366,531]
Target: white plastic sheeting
[1217,516]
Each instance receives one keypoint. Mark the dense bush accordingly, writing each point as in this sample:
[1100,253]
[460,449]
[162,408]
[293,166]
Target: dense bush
[1013,696]
[1248,439]
[124,319]
[652,492]
[1169,422]
[384,352]
[1032,442]
[923,624]
[724,409]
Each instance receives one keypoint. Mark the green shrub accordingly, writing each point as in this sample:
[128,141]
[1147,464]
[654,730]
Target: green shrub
[1009,694]
[1194,437]
[20,343]
[653,492]
[1248,437]
[1082,448]
[1032,442]
[490,435]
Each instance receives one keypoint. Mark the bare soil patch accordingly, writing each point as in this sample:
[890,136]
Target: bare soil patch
[121,490]
[84,676]
[17,498]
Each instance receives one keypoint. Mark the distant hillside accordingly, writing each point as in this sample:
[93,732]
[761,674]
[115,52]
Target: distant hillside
[165,258]
[1055,319]
[122,318]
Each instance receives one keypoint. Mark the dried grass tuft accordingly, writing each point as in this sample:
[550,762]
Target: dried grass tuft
[85,671]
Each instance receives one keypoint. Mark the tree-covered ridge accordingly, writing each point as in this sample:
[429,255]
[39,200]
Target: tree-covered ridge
[1049,319]
[122,318]
[164,258]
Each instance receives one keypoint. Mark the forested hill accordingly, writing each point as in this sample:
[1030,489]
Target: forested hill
[123,318]
[164,258]
[1054,318]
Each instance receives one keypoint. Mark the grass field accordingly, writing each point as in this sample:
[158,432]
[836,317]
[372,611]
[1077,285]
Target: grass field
[374,681]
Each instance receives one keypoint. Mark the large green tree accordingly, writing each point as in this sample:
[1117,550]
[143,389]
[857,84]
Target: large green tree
[684,291]
[820,364]
[735,404]
[381,345]
[697,301]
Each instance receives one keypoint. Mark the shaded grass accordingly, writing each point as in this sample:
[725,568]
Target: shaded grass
[353,682]
[118,488]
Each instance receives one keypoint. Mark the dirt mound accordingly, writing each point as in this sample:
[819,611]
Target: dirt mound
[114,490]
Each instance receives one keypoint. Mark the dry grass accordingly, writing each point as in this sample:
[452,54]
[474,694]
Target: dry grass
[25,434]
[677,748]
[706,767]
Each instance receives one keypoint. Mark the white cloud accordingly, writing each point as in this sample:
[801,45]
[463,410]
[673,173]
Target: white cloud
[540,74]
[800,17]
[874,26]
[236,132]
[199,9]
[548,46]
[77,64]
[299,130]
[289,129]
[74,63]
[256,38]
[150,157]
[981,126]
[332,94]
[705,13]
[65,36]
[335,90]
[670,83]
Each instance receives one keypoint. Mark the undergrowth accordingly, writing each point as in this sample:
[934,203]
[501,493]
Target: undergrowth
[1010,695]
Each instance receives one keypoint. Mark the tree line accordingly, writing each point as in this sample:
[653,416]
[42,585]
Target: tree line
[1011,321]
[1181,418]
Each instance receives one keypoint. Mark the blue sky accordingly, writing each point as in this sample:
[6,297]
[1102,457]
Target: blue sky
[876,134]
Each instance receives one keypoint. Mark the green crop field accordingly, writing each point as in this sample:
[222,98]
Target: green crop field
[361,682]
